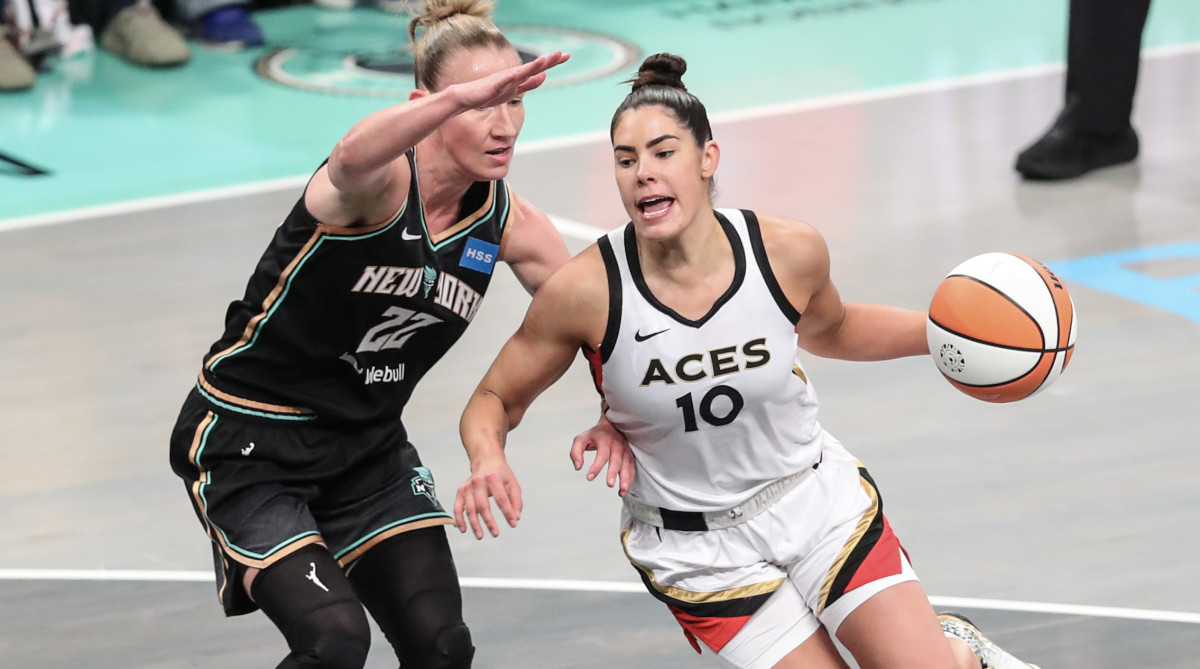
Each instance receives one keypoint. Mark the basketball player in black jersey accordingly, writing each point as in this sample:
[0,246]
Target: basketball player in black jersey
[758,529]
[291,443]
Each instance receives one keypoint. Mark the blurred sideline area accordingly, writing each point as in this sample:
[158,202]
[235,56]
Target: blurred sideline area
[104,131]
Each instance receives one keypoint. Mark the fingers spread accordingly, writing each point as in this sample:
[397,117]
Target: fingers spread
[482,491]
[603,451]
[500,493]
[615,461]
[471,512]
[514,493]
[577,448]
[532,82]
[628,474]
[459,505]
[535,70]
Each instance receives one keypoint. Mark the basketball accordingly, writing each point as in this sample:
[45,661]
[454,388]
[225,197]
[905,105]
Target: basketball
[1001,327]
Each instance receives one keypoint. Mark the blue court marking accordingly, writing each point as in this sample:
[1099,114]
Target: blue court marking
[1109,272]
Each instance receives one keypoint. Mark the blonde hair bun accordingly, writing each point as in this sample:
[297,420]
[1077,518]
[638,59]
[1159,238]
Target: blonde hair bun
[436,11]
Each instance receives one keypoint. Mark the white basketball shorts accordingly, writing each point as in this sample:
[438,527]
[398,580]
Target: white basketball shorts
[755,591]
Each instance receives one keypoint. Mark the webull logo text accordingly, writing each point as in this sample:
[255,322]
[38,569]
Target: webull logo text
[383,374]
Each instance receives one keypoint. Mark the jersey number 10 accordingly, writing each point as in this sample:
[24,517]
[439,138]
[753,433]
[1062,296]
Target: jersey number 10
[688,406]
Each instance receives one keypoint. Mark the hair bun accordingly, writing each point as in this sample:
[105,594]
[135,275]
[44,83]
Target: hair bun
[436,11]
[661,69]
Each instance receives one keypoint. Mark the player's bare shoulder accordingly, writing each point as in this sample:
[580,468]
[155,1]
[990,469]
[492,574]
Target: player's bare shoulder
[574,300]
[531,245]
[798,258]
[788,232]
[795,249]
[581,282]
[528,225]
[525,213]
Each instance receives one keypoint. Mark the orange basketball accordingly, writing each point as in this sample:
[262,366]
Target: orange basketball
[1001,327]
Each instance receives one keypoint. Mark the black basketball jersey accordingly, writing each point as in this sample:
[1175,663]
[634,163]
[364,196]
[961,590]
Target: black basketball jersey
[339,324]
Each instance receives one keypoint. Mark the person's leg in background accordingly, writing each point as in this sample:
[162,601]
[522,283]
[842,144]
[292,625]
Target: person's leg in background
[16,73]
[221,24]
[135,31]
[1104,40]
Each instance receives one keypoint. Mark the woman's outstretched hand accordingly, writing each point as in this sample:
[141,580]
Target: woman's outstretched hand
[502,86]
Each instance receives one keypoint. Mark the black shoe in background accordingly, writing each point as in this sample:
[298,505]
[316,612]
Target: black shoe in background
[1065,153]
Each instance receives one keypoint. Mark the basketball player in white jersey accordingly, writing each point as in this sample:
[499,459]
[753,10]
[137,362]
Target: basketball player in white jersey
[762,534]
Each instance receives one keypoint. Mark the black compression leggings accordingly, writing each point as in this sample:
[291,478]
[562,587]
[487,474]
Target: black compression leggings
[309,599]
[409,584]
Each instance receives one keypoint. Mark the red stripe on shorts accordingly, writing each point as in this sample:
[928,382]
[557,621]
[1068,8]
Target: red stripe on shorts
[882,561]
[714,632]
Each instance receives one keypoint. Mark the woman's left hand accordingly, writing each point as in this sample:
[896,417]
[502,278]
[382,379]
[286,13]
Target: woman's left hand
[612,449]
[490,478]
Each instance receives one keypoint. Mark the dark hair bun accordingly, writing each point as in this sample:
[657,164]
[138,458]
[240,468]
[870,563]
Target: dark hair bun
[661,69]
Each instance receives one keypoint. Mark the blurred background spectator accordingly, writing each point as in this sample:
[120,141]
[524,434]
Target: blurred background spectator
[220,24]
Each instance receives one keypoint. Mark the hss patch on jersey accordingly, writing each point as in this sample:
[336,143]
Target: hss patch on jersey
[479,255]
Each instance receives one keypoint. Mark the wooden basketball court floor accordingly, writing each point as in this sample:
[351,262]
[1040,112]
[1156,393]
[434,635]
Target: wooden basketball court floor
[1065,524]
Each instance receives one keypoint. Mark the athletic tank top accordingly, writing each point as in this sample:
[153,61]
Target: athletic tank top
[715,409]
[339,324]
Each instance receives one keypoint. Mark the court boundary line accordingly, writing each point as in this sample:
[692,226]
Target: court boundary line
[538,146]
[569,585]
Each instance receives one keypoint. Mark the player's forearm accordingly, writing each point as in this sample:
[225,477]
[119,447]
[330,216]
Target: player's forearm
[382,137]
[484,427]
[873,332]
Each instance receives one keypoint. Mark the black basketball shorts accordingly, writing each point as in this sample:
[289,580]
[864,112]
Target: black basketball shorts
[263,489]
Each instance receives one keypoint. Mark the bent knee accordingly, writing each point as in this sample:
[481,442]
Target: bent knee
[332,637]
[452,648]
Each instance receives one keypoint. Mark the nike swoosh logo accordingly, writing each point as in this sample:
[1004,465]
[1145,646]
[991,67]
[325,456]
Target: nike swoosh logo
[408,237]
[638,336]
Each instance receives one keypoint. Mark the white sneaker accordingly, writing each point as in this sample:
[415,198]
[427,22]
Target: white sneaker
[990,655]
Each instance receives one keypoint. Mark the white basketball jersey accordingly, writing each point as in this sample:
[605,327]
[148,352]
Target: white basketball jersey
[717,408]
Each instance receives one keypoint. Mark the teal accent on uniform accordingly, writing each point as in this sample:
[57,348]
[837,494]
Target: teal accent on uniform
[428,279]
[287,287]
[207,479]
[250,412]
[1112,273]
[482,219]
[204,503]
[274,549]
[111,132]
[385,528]
[496,188]
[422,484]
[270,312]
